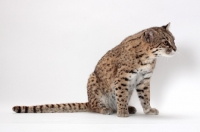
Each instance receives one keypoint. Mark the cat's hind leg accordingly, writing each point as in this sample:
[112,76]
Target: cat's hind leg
[95,96]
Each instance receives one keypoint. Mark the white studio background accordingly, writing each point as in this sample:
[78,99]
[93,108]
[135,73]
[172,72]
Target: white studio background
[48,48]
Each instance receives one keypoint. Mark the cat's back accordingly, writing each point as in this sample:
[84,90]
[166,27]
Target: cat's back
[107,67]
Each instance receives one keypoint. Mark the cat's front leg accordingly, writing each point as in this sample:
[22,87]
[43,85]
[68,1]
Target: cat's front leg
[143,90]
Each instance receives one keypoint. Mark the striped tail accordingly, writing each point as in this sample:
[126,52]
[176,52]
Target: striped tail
[52,108]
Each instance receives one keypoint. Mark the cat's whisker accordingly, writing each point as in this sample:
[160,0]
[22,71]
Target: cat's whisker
[179,53]
[168,61]
[180,56]
[164,62]
[163,66]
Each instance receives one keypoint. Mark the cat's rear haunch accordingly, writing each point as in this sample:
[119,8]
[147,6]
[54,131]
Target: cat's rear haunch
[126,67]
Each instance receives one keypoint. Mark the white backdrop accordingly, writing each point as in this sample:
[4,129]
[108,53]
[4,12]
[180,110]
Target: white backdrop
[48,48]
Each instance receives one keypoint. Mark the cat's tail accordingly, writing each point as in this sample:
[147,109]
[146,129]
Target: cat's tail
[52,108]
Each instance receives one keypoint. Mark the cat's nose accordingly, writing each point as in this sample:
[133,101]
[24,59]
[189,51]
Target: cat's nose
[174,48]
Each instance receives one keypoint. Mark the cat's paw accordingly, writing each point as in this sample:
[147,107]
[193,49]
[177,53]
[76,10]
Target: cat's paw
[151,111]
[122,113]
[106,111]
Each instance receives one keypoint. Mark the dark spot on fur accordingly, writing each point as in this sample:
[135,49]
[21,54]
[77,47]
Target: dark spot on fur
[126,79]
[138,90]
[139,56]
[132,72]
[123,84]
[26,109]
[155,51]
[19,110]
[69,106]
[141,97]
[34,109]
[41,108]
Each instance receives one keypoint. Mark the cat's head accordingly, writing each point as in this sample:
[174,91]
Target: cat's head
[160,41]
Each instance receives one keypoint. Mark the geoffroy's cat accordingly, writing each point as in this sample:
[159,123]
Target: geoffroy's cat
[126,67]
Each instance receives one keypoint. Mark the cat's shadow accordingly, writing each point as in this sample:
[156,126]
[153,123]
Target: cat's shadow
[169,70]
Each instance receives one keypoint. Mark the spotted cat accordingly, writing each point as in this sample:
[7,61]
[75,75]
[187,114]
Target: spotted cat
[126,67]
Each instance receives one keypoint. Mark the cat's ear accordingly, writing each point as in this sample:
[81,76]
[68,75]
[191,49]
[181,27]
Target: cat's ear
[149,35]
[166,26]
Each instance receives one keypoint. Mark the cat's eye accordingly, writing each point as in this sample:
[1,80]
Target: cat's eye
[166,43]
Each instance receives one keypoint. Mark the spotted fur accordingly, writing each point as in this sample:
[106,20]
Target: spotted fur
[126,67]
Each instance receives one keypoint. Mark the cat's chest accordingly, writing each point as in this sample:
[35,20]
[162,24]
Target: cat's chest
[135,79]
[146,66]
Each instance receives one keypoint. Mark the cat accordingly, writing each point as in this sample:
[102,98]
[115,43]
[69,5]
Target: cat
[126,67]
